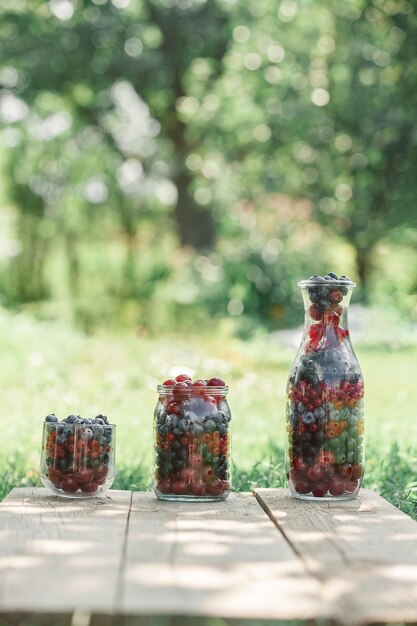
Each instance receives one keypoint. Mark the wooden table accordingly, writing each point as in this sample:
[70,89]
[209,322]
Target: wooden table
[131,559]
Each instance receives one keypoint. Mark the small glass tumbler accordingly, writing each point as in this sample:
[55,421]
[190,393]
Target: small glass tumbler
[192,444]
[78,460]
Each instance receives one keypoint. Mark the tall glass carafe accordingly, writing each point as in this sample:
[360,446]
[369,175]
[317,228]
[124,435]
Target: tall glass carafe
[325,424]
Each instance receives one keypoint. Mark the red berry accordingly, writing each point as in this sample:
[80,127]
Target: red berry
[299,465]
[331,319]
[200,383]
[182,378]
[356,471]
[164,486]
[196,460]
[316,332]
[316,473]
[351,486]
[188,474]
[225,485]
[198,488]
[84,476]
[169,383]
[319,490]
[337,486]
[302,486]
[216,382]
[180,389]
[215,488]
[180,487]
[315,314]
[89,487]
[345,470]
[101,472]
[69,484]
[174,408]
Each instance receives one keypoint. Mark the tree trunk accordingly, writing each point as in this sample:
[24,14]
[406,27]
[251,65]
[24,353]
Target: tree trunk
[364,268]
[195,225]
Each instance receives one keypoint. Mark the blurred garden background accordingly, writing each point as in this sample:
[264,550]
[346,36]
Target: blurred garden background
[168,170]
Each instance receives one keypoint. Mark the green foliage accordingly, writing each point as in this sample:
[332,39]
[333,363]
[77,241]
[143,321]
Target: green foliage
[274,140]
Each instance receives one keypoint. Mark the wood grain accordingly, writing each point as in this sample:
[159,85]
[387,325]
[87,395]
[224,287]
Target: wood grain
[57,554]
[364,553]
[220,559]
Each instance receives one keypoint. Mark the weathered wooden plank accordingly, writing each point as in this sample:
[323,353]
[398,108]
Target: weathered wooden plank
[363,551]
[221,559]
[58,555]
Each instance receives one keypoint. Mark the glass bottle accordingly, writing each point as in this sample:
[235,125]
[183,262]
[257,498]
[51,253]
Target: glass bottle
[192,444]
[78,460]
[325,424]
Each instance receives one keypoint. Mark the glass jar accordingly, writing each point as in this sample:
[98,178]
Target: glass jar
[78,460]
[192,444]
[325,424]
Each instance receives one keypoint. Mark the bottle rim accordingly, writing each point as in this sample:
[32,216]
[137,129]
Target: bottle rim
[194,391]
[310,282]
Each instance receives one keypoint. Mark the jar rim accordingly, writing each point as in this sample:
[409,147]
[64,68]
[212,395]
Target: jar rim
[195,391]
[310,282]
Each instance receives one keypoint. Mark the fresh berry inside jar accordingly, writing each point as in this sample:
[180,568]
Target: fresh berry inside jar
[192,440]
[325,416]
[78,455]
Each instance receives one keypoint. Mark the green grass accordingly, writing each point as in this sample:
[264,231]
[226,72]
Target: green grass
[48,367]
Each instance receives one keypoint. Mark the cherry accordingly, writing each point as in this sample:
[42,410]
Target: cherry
[356,471]
[89,487]
[302,485]
[182,378]
[84,475]
[174,408]
[180,389]
[345,470]
[200,383]
[198,488]
[337,486]
[180,487]
[315,314]
[216,382]
[69,484]
[316,473]
[319,490]
[188,474]
[335,296]
[215,488]
[164,486]
[169,383]
[351,486]
[101,472]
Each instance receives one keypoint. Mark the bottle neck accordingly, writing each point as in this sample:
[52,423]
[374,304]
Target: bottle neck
[326,317]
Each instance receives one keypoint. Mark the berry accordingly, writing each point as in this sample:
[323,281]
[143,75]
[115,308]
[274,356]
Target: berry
[345,470]
[316,331]
[215,488]
[180,389]
[351,486]
[180,487]
[315,314]
[169,383]
[316,473]
[356,471]
[181,378]
[84,476]
[200,383]
[319,490]
[164,486]
[302,486]
[337,486]
[89,488]
[216,382]
[198,488]
[335,296]
[51,418]
[101,472]
[69,484]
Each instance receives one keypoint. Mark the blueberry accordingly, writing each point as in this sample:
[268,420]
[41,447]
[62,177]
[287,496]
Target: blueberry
[319,413]
[62,440]
[343,290]
[301,407]
[71,419]
[308,418]
[313,295]
[86,434]
[68,430]
[332,275]
[87,421]
[97,430]
[99,420]
[209,426]
[51,418]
